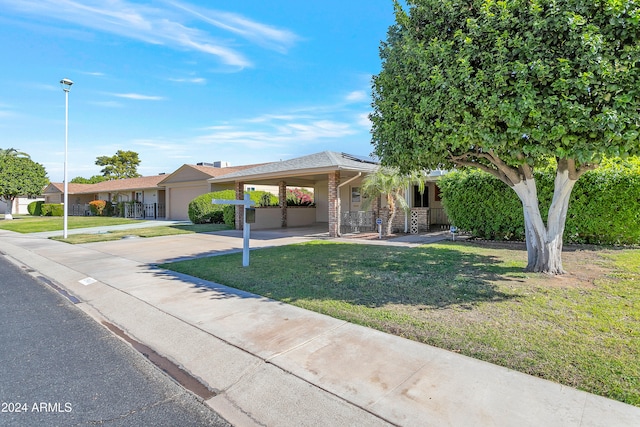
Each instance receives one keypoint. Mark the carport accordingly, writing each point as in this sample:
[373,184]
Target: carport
[335,178]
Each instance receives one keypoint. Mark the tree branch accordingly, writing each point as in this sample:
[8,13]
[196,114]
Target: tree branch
[574,171]
[502,171]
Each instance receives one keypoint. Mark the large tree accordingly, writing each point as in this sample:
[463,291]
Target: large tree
[505,85]
[124,164]
[20,176]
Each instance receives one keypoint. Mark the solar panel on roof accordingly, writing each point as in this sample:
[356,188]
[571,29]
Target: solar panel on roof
[362,159]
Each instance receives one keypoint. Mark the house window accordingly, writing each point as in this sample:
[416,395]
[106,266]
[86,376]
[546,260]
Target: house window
[420,200]
[355,194]
[436,194]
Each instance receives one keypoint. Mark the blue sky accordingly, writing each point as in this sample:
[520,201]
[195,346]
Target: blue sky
[188,81]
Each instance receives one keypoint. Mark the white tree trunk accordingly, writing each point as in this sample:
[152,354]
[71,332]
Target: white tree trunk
[544,243]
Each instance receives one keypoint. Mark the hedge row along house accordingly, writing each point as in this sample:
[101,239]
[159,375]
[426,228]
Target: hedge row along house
[335,179]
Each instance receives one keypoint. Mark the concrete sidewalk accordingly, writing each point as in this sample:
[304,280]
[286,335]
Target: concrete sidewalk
[273,364]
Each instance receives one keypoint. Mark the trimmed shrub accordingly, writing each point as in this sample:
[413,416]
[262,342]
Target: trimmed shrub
[52,209]
[201,210]
[97,207]
[229,215]
[604,207]
[35,208]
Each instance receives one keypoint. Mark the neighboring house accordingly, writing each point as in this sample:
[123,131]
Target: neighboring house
[19,205]
[148,196]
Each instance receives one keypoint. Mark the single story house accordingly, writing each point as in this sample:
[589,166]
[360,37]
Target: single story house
[334,177]
[145,191]
[19,206]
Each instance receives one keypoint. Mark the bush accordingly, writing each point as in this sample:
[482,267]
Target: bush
[268,199]
[97,207]
[201,210]
[299,197]
[604,207]
[35,208]
[229,215]
[52,209]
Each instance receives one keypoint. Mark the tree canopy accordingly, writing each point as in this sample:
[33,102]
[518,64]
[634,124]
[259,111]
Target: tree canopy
[124,164]
[505,85]
[93,180]
[20,176]
[484,82]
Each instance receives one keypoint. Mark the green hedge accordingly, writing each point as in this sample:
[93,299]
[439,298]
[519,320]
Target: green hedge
[604,207]
[52,209]
[201,210]
[35,208]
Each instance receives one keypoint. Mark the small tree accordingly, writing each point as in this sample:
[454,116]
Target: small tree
[504,85]
[124,164]
[20,176]
[93,180]
[390,183]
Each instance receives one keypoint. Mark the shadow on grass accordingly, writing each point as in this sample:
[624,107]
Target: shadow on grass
[360,275]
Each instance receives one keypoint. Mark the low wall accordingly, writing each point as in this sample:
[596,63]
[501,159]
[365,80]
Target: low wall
[270,217]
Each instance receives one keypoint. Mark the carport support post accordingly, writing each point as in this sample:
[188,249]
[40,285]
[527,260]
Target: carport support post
[246,230]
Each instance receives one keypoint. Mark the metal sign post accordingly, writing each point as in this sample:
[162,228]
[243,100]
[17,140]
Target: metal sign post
[453,229]
[379,222]
[246,230]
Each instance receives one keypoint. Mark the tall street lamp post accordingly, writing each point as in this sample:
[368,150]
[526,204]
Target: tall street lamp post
[66,87]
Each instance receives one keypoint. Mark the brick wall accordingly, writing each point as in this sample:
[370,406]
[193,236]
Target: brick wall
[334,179]
[239,208]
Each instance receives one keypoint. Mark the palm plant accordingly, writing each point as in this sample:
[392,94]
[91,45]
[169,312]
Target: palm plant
[12,152]
[390,183]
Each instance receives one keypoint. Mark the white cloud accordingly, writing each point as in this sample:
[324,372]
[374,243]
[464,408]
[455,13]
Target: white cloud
[194,80]
[261,34]
[138,96]
[363,120]
[164,26]
[268,131]
[109,104]
[357,96]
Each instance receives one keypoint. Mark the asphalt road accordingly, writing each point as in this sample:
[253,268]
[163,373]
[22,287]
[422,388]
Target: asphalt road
[58,367]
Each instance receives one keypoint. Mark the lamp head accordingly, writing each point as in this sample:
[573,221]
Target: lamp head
[66,84]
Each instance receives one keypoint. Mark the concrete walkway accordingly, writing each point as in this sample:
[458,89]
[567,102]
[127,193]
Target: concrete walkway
[272,364]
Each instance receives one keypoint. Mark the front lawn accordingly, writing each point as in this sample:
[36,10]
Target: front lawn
[156,231]
[581,329]
[36,224]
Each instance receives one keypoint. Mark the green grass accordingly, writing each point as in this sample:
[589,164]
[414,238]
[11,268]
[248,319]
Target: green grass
[36,224]
[581,330]
[141,232]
